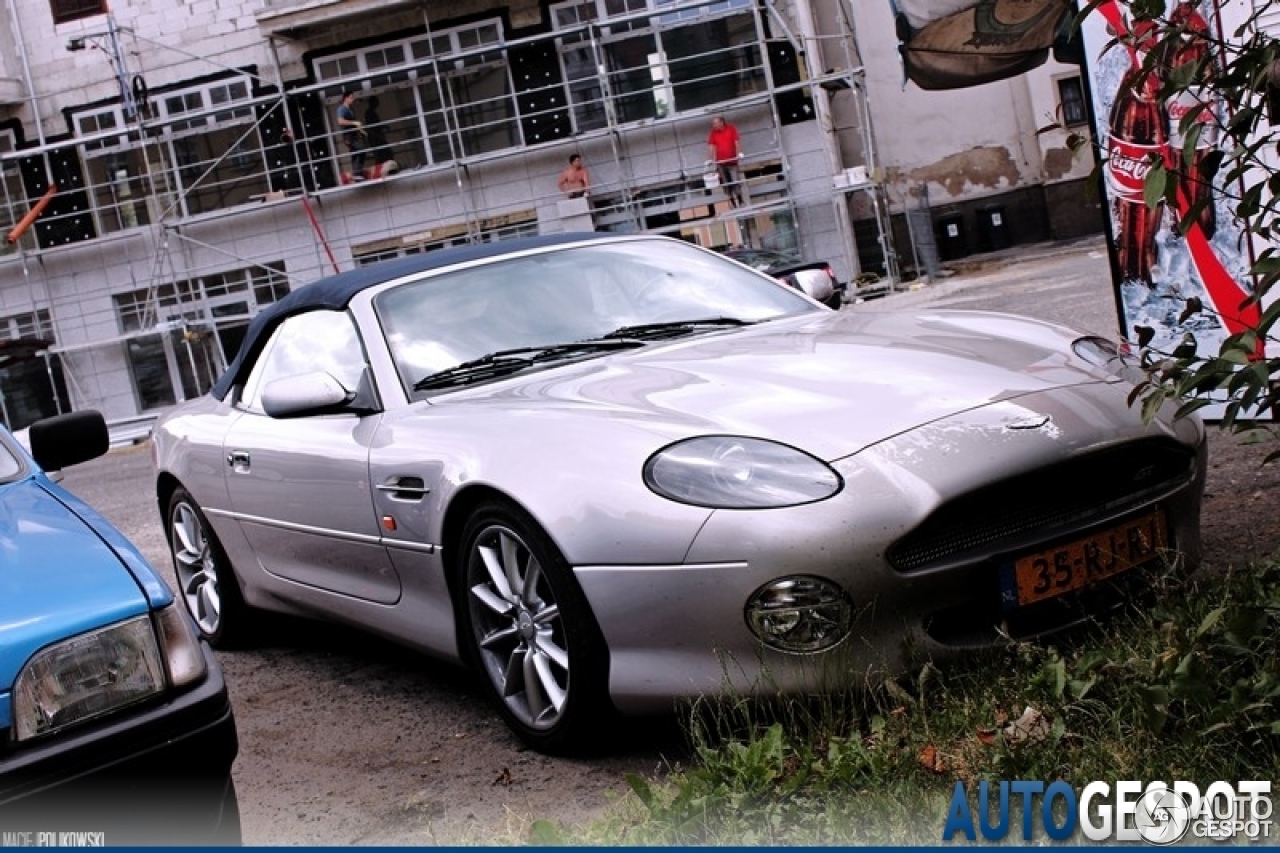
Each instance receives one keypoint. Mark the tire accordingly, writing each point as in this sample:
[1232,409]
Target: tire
[207,584]
[526,628]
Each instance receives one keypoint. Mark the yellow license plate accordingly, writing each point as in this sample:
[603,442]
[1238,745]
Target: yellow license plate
[1074,565]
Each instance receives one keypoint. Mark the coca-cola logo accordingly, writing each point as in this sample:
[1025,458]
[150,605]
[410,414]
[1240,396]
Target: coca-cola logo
[1178,110]
[1185,110]
[1127,166]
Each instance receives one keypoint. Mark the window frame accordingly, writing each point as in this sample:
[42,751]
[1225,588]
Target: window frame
[446,60]
[66,11]
[27,324]
[1072,119]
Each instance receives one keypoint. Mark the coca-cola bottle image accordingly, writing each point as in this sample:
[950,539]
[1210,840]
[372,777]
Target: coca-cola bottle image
[1192,45]
[1136,136]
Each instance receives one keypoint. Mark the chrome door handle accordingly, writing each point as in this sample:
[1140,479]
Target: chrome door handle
[238,460]
[405,488]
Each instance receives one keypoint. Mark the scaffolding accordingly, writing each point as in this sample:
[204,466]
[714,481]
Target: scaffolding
[217,184]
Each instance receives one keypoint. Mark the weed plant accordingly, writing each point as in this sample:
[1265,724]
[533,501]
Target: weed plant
[1187,689]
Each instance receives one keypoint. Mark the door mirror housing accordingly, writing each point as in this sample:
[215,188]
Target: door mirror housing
[315,393]
[69,439]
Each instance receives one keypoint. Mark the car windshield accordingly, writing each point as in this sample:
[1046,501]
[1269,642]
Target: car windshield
[640,290]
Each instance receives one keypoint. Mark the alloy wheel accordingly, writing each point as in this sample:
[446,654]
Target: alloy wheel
[196,566]
[519,630]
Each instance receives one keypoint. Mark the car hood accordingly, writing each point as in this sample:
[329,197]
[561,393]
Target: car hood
[57,577]
[832,383]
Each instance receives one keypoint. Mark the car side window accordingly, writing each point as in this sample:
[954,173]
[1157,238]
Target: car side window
[316,341]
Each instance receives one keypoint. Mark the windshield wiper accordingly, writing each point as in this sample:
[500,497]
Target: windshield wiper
[510,360]
[672,328]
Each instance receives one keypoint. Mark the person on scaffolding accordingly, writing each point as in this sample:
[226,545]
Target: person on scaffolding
[724,148]
[353,134]
[575,181]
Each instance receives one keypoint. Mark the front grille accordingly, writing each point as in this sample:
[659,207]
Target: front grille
[1040,504]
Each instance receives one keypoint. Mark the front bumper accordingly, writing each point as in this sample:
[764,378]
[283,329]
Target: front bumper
[158,774]
[678,631]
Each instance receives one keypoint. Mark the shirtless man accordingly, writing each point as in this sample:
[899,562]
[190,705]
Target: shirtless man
[574,180]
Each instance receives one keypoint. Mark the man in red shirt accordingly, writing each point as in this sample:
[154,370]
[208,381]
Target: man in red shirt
[724,149]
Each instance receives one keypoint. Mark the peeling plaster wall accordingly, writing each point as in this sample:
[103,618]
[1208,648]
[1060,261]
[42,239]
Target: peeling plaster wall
[980,170]
[961,144]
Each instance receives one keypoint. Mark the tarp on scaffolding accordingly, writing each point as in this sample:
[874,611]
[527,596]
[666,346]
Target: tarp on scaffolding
[951,44]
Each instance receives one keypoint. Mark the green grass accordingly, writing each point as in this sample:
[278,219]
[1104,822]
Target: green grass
[1186,690]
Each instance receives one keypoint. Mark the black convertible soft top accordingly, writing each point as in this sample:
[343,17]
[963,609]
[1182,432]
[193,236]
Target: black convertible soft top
[336,291]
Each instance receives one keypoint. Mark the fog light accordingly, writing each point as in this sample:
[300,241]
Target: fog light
[799,614]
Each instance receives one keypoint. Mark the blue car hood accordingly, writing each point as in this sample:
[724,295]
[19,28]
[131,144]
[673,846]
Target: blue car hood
[58,578]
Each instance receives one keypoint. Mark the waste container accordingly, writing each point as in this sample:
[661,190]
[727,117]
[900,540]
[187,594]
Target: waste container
[993,228]
[951,239]
[923,243]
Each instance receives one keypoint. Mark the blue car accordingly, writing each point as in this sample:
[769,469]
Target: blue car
[115,724]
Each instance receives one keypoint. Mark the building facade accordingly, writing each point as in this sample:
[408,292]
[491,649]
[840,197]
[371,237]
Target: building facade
[168,168]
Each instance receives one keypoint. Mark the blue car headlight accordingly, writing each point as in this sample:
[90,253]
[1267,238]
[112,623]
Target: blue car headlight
[733,472]
[101,671]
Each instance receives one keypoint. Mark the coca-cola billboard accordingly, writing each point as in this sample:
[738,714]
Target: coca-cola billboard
[1157,267]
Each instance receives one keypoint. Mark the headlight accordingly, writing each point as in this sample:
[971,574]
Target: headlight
[87,676]
[729,472]
[799,614]
[102,671]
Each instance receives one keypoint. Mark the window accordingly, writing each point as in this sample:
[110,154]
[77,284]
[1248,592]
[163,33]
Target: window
[239,293]
[199,325]
[269,283]
[682,59]
[213,145]
[35,324]
[113,169]
[1071,101]
[473,77]
[100,123]
[145,308]
[31,387]
[74,10]
[208,147]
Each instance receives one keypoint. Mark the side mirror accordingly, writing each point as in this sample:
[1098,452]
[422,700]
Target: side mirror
[315,393]
[814,283]
[69,439]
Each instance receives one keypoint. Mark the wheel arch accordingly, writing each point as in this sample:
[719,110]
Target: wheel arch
[461,506]
[166,485]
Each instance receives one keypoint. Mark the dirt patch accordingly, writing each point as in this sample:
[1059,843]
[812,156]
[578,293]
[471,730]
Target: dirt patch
[1241,518]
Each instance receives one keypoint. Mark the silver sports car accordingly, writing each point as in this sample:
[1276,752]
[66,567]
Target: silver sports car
[613,472]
